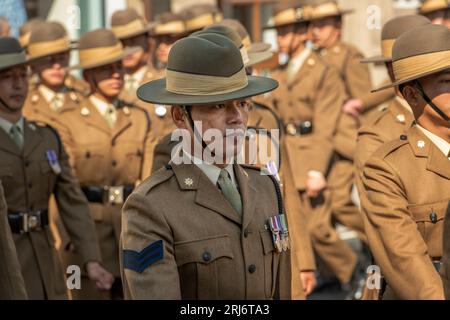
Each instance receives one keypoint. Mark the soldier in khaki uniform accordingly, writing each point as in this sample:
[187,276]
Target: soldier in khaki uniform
[308,102]
[326,28]
[438,11]
[407,181]
[108,143]
[218,228]
[33,166]
[13,286]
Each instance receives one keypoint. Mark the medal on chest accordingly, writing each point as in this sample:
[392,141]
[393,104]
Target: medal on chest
[280,234]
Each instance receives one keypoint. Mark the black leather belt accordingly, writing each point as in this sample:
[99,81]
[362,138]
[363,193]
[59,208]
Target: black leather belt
[23,222]
[108,194]
[300,129]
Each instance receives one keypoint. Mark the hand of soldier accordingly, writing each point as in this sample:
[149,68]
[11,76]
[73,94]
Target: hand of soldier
[309,282]
[315,184]
[102,278]
[353,107]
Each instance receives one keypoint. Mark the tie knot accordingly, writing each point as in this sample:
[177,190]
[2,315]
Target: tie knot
[224,174]
[14,129]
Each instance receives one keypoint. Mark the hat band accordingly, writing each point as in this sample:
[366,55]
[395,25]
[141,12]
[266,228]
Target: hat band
[325,10]
[386,47]
[130,28]
[98,55]
[244,54]
[417,66]
[173,27]
[202,85]
[292,15]
[200,22]
[434,5]
[25,39]
[12,59]
[48,47]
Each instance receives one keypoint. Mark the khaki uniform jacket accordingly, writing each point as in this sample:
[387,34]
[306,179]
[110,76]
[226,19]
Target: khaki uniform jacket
[315,94]
[29,180]
[407,182]
[209,251]
[346,59]
[12,284]
[102,156]
[446,259]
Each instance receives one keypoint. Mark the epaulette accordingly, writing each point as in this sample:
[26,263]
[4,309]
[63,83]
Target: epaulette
[390,147]
[157,178]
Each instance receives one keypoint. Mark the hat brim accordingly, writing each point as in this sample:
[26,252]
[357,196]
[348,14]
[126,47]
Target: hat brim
[337,14]
[31,59]
[258,57]
[279,25]
[126,52]
[258,47]
[397,83]
[376,59]
[155,92]
[146,29]
[15,63]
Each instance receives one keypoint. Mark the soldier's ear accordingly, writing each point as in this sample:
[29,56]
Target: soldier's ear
[411,95]
[179,117]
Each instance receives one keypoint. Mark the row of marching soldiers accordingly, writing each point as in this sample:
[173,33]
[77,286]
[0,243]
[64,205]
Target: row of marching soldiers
[74,150]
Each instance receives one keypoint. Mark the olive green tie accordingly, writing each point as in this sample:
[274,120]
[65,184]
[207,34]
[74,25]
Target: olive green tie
[16,136]
[230,191]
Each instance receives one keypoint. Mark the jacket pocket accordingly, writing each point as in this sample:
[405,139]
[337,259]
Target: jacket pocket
[199,262]
[270,263]
[430,223]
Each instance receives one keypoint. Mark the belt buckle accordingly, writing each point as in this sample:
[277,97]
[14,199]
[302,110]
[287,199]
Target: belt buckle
[34,221]
[115,195]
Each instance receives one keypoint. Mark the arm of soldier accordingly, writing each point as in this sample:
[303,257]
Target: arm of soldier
[369,140]
[149,149]
[357,76]
[395,240]
[330,97]
[13,286]
[374,99]
[147,237]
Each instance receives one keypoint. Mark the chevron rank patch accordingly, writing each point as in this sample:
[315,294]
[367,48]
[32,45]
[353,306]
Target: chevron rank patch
[139,261]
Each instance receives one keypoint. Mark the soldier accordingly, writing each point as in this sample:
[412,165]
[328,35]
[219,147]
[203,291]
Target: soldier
[326,28]
[308,102]
[407,181]
[438,11]
[34,165]
[107,140]
[133,31]
[13,286]
[219,227]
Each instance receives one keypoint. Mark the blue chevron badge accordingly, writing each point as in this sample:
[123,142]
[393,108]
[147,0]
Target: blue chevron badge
[139,261]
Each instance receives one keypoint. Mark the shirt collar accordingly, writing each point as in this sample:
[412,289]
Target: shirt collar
[138,75]
[102,106]
[442,145]
[49,94]
[6,125]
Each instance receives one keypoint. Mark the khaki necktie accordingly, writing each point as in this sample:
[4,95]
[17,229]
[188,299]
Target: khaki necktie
[230,191]
[110,115]
[16,136]
[57,101]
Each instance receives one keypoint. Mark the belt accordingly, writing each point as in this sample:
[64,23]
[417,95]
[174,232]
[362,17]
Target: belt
[300,129]
[23,222]
[108,194]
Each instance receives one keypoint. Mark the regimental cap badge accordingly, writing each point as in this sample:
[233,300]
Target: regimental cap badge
[401,118]
[421,144]
[188,182]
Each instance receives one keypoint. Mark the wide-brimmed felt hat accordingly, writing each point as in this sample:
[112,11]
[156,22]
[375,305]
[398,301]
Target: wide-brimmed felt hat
[199,16]
[289,13]
[11,53]
[326,8]
[393,29]
[46,39]
[429,6]
[257,52]
[100,47]
[128,23]
[419,53]
[204,69]
[169,24]
[25,30]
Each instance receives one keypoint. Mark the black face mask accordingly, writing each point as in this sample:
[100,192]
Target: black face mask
[430,102]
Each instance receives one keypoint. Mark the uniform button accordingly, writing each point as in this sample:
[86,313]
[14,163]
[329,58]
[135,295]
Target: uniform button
[88,155]
[403,137]
[207,257]
[246,233]
[433,217]
[252,268]
[114,163]
[30,185]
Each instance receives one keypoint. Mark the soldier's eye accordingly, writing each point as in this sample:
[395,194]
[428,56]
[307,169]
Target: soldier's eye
[219,106]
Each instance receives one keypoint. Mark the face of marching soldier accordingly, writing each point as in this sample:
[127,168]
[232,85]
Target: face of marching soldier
[106,80]
[52,69]
[326,32]
[165,43]
[134,61]
[441,17]
[229,119]
[13,89]
[291,37]
[437,87]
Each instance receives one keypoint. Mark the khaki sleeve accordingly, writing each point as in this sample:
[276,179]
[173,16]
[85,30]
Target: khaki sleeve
[368,142]
[393,236]
[74,211]
[372,100]
[143,227]
[327,109]
[357,76]
[446,255]
[12,285]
